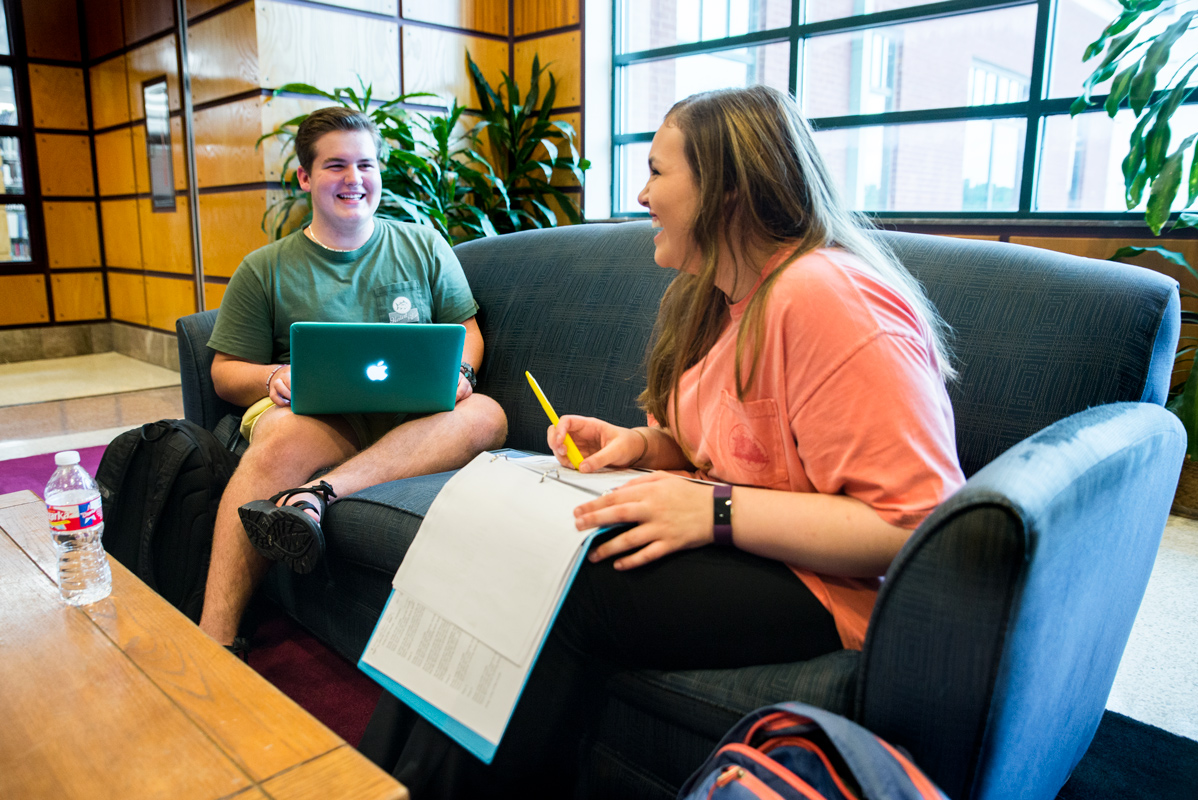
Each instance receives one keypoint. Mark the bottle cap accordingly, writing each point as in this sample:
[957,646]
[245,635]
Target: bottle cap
[66,458]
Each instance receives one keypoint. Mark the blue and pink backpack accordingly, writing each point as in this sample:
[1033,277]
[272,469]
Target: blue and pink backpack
[793,750]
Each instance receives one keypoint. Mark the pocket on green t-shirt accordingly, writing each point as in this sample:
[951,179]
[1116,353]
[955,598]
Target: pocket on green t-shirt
[407,302]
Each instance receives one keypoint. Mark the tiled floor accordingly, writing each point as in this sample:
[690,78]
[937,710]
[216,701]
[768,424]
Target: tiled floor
[28,382]
[41,427]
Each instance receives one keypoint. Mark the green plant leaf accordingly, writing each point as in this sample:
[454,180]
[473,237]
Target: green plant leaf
[1156,147]
[1186,409]
[302,88]
[1143,85]
[1169,255]
[1186,221]
[1135,154]
[1164,189]
[1119,89]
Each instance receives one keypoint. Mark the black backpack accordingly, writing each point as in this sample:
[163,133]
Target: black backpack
[160,485]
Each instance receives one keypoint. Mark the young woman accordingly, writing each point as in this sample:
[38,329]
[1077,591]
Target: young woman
[793,358]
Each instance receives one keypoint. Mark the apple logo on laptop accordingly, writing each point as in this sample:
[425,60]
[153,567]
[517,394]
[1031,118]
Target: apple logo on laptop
[377,372]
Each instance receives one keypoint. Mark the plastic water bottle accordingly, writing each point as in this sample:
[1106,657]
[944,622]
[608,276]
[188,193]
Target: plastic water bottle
[77,525]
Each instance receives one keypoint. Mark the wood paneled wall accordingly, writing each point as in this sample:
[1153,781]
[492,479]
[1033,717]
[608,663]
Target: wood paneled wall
[107,254]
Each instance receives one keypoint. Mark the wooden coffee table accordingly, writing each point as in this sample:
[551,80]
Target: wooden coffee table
[126,698]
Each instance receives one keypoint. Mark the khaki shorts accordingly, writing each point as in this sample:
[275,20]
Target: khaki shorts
[369,428]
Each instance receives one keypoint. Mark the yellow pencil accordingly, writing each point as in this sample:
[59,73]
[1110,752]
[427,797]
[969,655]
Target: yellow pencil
[571,450]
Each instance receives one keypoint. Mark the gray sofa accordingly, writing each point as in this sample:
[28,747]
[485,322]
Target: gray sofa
[996,637]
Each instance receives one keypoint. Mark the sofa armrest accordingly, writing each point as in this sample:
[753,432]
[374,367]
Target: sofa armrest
[997,633]
[201,404]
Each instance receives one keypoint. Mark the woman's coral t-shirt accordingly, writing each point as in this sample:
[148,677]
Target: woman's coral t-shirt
[847,399]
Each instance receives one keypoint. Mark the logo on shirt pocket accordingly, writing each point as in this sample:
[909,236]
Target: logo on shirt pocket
[403,311]
[751,442]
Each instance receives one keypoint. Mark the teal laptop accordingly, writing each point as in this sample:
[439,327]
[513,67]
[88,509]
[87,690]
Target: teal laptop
[352,367]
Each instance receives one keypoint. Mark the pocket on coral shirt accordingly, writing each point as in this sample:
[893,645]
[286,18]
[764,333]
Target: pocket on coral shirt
[750,446]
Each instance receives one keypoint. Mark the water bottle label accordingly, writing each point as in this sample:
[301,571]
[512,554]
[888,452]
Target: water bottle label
[76,517]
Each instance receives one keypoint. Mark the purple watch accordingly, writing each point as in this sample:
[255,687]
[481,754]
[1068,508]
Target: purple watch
[721,523]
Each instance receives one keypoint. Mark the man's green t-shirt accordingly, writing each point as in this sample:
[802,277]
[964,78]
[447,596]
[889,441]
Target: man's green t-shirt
[404,273]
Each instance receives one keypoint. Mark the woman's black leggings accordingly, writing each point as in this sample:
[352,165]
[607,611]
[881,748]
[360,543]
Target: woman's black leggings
[708,608]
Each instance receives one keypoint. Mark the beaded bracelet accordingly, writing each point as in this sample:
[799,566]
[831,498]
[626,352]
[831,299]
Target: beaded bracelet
[272,376]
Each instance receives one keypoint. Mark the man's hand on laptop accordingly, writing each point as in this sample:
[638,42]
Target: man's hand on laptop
[280,386]
[464,389]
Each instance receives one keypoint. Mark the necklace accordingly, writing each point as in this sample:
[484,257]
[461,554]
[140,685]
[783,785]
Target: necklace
[312,236]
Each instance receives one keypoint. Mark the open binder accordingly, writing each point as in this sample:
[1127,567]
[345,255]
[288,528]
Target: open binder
[477,592]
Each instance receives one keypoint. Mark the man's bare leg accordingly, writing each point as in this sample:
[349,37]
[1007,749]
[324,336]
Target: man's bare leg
[286,450]
[436,443]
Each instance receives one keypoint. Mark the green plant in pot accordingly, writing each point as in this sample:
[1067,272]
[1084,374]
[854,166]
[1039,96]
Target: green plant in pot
[526,147]
[1136,48]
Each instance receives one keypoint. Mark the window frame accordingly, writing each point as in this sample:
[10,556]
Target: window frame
[1035,110]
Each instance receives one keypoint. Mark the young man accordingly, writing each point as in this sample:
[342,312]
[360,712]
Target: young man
[346,266]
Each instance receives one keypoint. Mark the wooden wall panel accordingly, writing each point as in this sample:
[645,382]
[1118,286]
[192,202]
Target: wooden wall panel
[488,16]
[78,296]
[122,233]
[110,93]
[1102,249]
[197,7]
[65,164]
[386,7]
[288,35]
[564,177]
[51,29]
[72,237]
[213,294]
[105,33]
[147,17]
[435,61]
[531,16]
[23,300]
[230,227]
[114,162]
[141,158]
[294,219]
[59,100]
[275,111]
[165,237]
[167,299]
[565,52]
[148,62]
[222,54]
[127,297]
[225,137]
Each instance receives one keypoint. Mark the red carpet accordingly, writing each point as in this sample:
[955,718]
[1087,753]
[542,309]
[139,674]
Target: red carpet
[327,686]
[32,472]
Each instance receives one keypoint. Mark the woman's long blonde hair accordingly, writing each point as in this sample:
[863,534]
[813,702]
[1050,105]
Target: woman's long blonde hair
[761,183]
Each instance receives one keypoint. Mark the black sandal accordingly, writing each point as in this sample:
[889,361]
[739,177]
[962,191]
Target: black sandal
[286,533]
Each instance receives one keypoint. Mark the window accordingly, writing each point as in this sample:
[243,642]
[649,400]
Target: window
[920,109]
[14,222]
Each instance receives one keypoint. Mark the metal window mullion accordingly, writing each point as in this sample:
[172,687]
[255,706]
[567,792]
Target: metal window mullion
[796,10]
[616,178]
[1035,107]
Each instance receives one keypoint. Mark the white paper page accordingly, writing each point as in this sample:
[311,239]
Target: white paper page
[595,483]
[493,552]
[445,666]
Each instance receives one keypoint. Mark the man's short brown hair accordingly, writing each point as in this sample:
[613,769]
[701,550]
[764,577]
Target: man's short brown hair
[328,120]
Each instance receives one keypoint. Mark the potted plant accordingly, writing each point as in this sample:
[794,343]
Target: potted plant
[435,172]
[1133,58]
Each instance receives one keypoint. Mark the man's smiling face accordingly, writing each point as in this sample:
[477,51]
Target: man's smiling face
[344,181]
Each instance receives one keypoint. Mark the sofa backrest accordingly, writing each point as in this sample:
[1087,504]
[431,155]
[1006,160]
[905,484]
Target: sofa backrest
[575,307]
[1040,335]
[1037,335]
